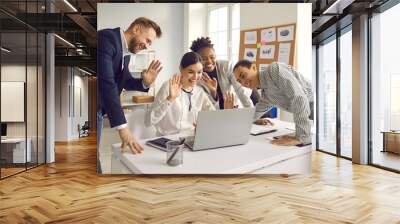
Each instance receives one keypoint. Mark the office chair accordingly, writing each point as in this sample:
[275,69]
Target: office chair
[84,130]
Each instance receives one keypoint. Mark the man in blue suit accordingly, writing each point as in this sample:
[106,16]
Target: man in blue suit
[114,49]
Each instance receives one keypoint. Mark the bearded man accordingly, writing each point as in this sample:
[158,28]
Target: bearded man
[115,48]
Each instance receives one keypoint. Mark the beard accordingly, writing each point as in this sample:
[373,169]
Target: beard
[134,45]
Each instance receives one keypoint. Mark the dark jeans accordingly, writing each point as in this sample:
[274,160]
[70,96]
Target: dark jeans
[311,117]
[99,129]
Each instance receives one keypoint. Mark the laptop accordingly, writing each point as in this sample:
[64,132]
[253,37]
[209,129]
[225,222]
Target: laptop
[221,128]
[216,129]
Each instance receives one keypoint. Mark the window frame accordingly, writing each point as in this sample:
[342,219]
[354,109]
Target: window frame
[230,7]
[379,10]
[334,37]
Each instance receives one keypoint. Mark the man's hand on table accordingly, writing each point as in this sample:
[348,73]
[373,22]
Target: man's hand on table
[128,140]
[263,121]
[286,140]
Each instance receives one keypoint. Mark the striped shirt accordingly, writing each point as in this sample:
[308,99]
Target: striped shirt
[287,89]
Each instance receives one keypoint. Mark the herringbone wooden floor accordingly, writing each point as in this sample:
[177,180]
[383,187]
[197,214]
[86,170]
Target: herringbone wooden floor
[70,191]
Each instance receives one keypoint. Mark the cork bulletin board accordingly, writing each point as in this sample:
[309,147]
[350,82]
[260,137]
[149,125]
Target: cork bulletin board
[268,44]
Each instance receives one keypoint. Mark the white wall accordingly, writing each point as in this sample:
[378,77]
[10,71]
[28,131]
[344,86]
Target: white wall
[256,15]
[303,62]
[66,120]
[80,83]
[62,113]
[33,127]
[14,72]
[169,48]
[195,15]
[17,73]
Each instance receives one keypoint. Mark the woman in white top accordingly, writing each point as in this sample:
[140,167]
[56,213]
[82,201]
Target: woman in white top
[179,100]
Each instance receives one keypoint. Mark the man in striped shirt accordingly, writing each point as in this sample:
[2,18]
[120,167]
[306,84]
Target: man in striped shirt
[285,88]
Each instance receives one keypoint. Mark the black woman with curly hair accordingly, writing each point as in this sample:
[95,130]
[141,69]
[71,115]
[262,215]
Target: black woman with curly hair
[218,78]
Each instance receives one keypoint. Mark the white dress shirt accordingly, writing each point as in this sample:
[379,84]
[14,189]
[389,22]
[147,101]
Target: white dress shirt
[125,52]
[173,117]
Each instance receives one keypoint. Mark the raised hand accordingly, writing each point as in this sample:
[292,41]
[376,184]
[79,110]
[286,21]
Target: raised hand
[229,101]
[211,84]
[174,87]
[151,73]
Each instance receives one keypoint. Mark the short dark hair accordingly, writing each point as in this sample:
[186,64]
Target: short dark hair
[243,63]
[146,23]
[201,43]
[190,58]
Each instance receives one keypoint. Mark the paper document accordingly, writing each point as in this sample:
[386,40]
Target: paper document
[268,35]
[250,37]
[257,129]
[284,53]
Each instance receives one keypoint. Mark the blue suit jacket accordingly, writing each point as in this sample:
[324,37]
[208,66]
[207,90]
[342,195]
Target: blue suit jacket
[111,78]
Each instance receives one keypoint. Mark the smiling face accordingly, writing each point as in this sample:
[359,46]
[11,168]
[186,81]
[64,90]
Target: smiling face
[247,77]
[191,74]
[141,39]
[209,59]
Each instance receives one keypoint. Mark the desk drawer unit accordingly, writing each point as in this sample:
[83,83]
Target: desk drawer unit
[15,152]
[391,142]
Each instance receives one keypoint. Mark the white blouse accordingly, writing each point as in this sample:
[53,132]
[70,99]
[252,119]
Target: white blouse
[173,117]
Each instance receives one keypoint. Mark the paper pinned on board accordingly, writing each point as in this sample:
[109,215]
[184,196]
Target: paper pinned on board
[285,33]
[268,35]
[250,37]
[284,52]
[250,54]
[267,52]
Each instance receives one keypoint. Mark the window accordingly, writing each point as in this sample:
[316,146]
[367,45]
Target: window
[385,87]
[327,96]
[235,33]
[346,93]
[224,30]
[334,96]
[394,101]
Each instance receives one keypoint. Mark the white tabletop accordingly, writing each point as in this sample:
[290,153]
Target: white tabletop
[256,154]
[13,140]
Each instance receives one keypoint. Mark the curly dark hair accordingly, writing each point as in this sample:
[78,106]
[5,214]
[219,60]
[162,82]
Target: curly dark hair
[200,43]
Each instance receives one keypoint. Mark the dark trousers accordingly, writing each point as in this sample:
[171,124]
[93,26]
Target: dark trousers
[311,117]
[99,129]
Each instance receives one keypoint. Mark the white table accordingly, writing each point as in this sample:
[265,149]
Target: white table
[19,149]
[258,156]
